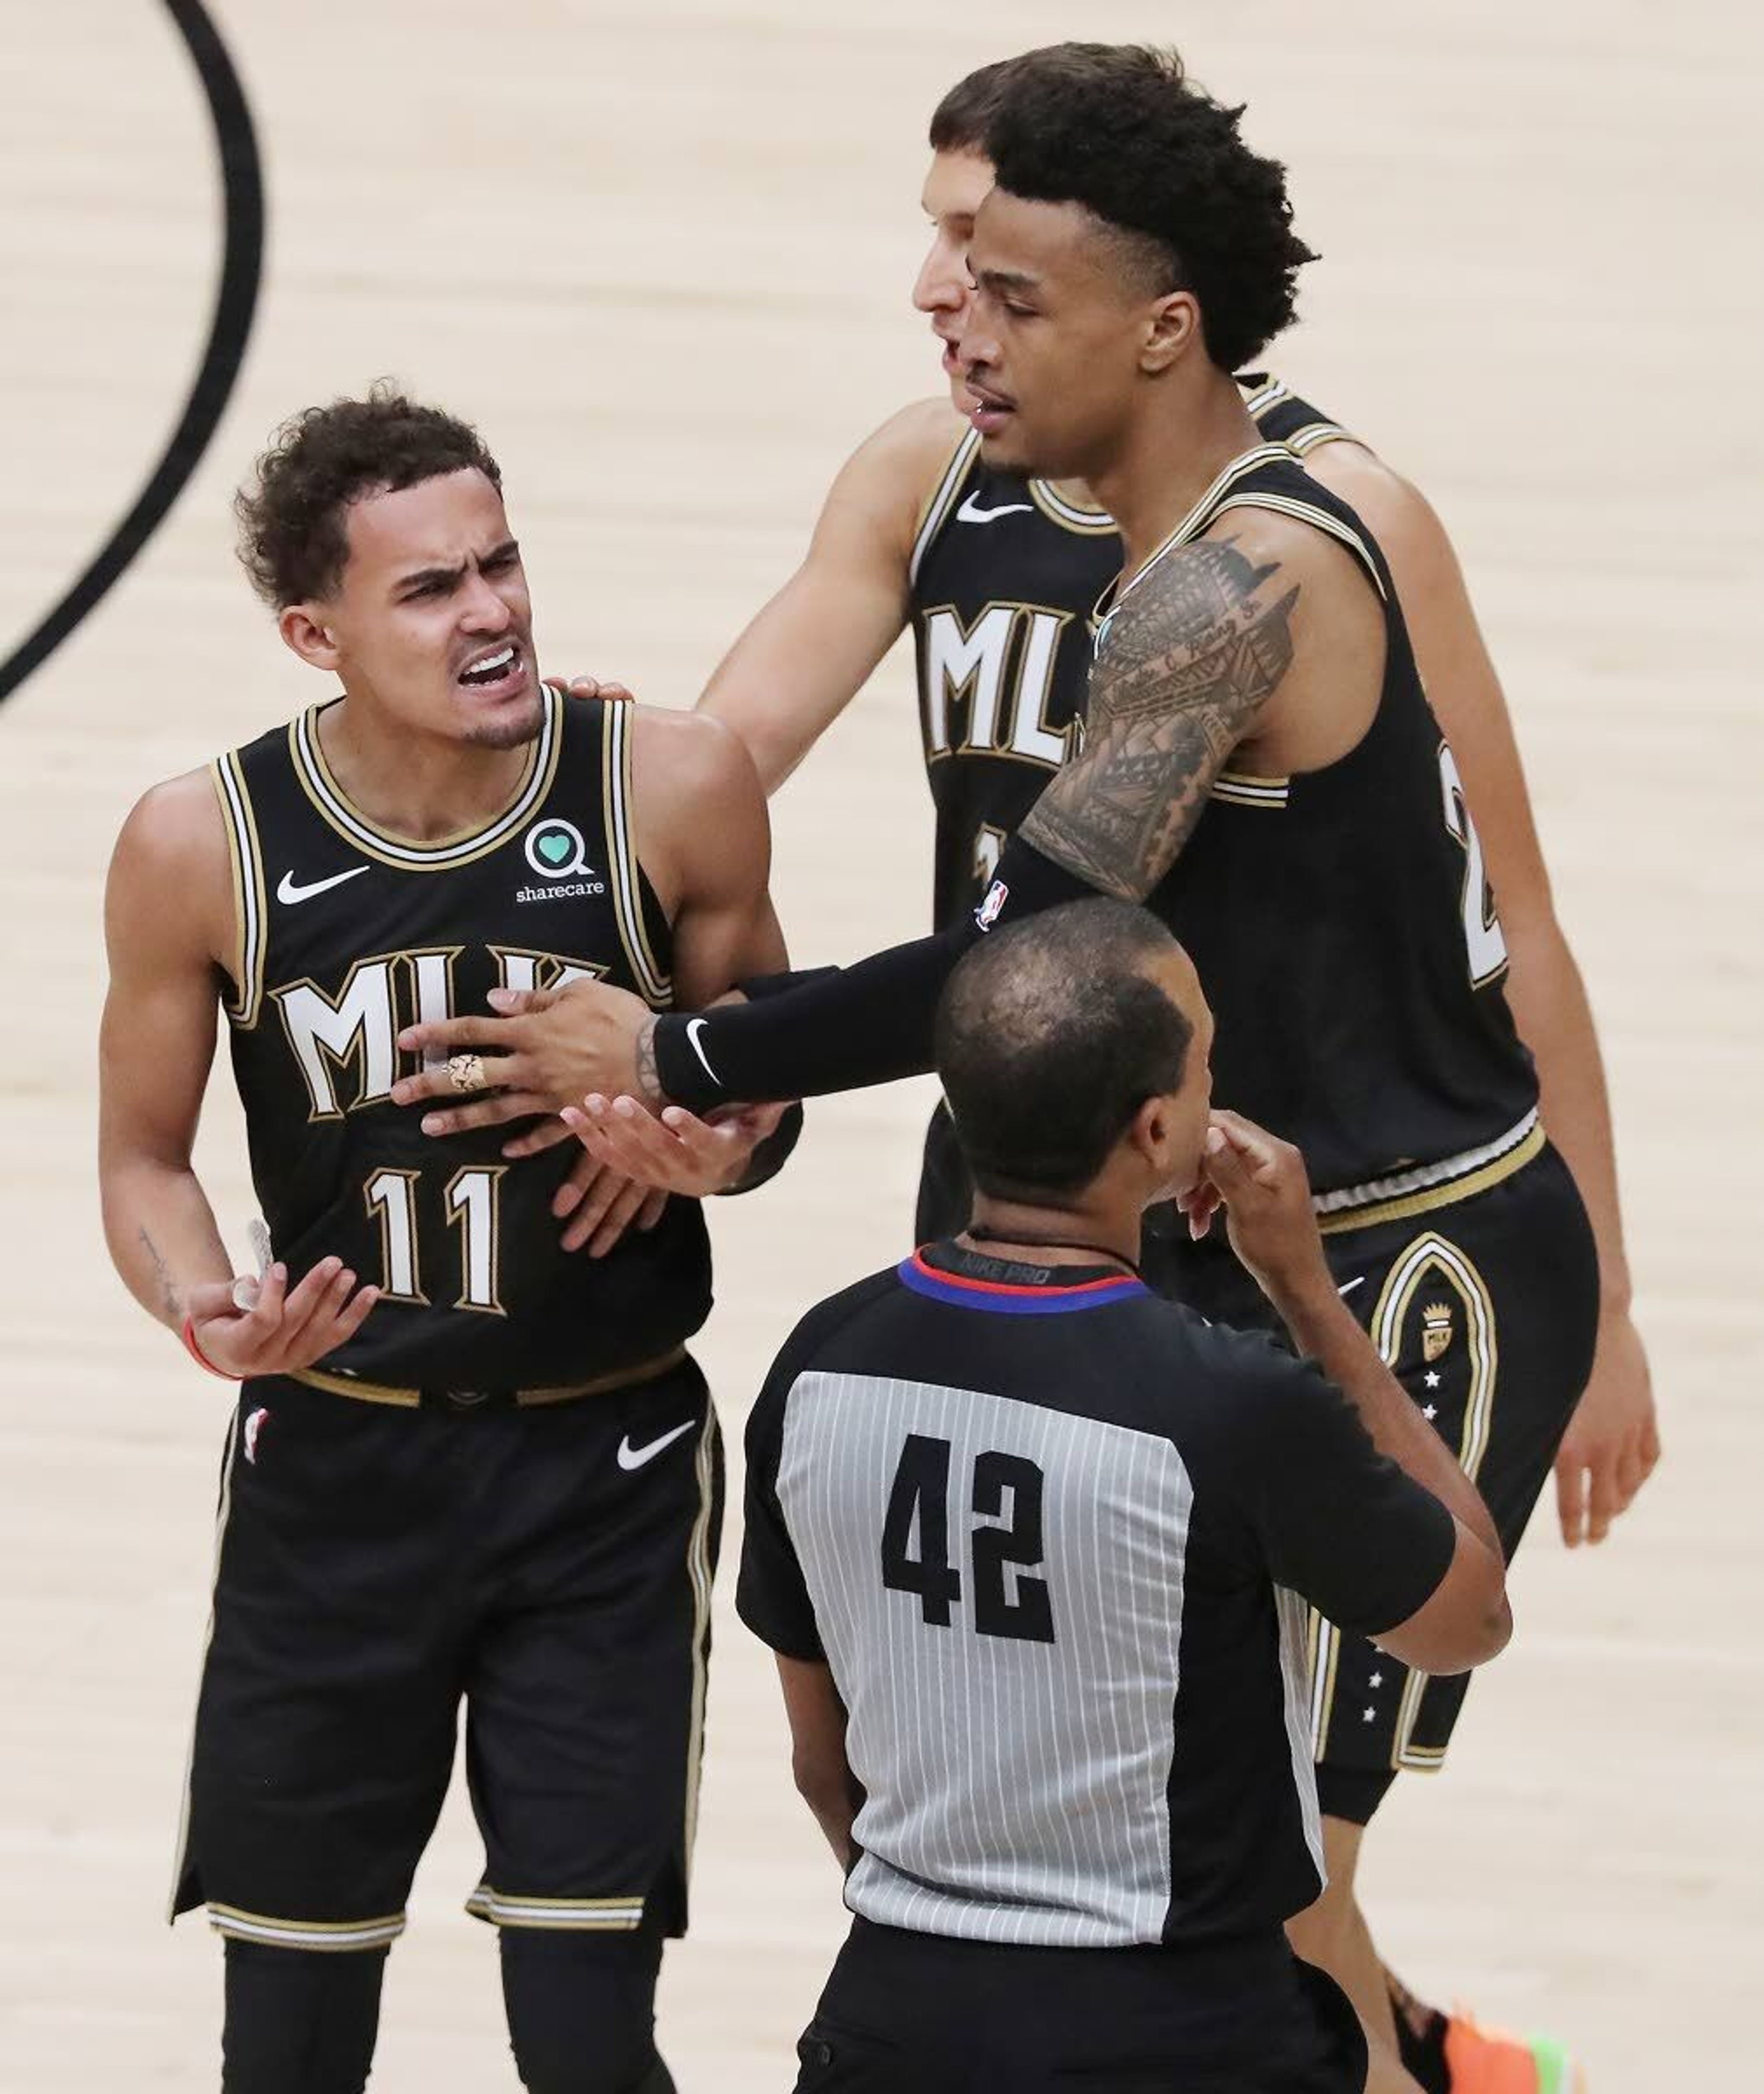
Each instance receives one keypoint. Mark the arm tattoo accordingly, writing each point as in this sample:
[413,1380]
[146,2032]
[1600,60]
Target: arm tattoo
[168,1292]
[1192,657]
[649,1082]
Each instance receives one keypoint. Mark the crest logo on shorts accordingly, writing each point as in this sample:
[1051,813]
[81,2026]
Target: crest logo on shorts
[1436,1329]
[254,1425]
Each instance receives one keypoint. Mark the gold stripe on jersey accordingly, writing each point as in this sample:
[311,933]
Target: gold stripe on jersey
[1244,789]
[1405,1753]
[1091,522]
[1314,433]
[1205,510]
[446,853]
[1286,505]
[608,1915]
[250,899]
[943,495]
[1268,393]
[181,1854]
[408,1399]
[336,1937]
[1433,1261]
[699,1569]
[623,877]
[1431,1186]
[1325,1649]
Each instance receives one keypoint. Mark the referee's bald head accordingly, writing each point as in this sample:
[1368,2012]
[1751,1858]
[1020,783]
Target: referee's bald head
[1054,1033]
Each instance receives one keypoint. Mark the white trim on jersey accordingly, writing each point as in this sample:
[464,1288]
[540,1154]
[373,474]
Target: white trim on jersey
[655,986]
[248,885]
[937,509]
[1424,1176]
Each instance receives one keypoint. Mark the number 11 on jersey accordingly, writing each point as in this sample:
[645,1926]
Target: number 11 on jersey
[470,1203]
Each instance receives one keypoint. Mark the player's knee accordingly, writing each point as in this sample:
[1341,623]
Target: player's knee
[299,2020]
[581,2012]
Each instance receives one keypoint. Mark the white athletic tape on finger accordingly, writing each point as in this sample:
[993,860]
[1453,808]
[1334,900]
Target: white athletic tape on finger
[246,1292]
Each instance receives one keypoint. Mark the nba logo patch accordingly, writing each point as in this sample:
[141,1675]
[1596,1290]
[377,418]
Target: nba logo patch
[254,1425]
[988,913]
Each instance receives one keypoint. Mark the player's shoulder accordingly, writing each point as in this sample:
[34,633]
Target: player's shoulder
[700,759]
[175,827]
[900,464]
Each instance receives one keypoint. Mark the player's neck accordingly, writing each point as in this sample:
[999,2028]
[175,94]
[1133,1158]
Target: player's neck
[1074,1233]
[1174,454]
[417,786]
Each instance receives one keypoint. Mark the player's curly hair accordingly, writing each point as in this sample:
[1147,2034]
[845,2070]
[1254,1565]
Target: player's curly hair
[293,539]
[1155,158]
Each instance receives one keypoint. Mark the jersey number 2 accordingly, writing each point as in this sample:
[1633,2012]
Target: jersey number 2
[469,1199]
[919,1508]
[1484,941]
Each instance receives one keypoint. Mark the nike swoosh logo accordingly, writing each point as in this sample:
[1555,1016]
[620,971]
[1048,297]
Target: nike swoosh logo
[287,891]
[634,1457]
[970,511]
[694,1026]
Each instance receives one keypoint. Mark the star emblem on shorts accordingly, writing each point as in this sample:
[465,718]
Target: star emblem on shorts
[1432,1380]
[1376,1680]
[1366,1715]
[1430,1411]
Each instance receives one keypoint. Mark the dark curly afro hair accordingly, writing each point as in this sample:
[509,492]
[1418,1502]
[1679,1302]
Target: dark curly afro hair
[1155,158]
[292,518]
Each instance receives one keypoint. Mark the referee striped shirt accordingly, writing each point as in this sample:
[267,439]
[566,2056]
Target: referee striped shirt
[1056,1537]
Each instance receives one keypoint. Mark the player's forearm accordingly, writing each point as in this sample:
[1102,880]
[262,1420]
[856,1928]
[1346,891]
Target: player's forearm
[1322,1325]
[162,1234]
[1550,1006]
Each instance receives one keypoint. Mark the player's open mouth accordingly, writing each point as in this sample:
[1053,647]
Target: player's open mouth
[496,671]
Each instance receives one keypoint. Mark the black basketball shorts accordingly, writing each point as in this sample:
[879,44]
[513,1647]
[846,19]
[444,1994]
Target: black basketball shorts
[1487,1309]
[548,1567]
[922,2013]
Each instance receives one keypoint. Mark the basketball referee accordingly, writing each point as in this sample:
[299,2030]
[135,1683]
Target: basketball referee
[1034,1547]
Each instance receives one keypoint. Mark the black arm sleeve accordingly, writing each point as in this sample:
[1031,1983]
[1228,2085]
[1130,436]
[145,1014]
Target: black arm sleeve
[843,1029]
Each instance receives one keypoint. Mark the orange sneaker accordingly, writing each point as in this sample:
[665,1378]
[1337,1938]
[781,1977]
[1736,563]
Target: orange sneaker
[1487,2061]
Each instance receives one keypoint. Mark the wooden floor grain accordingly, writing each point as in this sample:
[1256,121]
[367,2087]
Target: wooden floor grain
[662,253]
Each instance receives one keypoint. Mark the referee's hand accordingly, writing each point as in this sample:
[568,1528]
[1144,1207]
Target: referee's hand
[286,1329]
[1261,1183]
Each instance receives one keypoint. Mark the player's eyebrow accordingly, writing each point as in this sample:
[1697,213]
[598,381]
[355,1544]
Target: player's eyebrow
[1005,280]
[448,577]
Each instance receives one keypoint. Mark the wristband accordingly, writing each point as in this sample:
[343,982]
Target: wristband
[196,1353]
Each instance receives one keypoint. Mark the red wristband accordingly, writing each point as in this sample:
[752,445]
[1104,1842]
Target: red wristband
[196,1353]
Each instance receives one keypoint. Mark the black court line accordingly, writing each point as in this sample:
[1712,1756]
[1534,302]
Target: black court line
[241,267]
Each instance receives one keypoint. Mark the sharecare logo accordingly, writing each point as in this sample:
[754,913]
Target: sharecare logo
[988,913]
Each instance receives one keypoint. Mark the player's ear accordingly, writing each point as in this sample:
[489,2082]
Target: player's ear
[303,628]
[1172,327]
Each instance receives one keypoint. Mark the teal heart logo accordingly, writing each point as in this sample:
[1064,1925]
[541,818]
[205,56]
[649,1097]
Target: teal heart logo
[554,849]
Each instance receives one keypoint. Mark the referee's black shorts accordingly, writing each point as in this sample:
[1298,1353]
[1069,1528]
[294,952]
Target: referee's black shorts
[549,1566]
[922,2013]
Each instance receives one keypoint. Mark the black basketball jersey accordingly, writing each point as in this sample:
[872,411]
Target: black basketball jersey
[346,935]
[1005,575]
[1342,925]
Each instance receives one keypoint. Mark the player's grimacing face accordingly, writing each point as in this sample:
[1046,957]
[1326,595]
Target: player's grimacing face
[1050,340]
[955,190]
[431,620]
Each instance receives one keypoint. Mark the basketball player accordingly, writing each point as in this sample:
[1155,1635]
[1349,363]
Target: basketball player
[1261,763]
[1032,1547]
[463,1462]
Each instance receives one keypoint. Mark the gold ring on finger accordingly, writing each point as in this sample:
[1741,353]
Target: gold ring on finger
[465,1072]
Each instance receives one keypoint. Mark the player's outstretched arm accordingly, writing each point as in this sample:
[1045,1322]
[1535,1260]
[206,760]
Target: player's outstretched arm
[1613,1444]
[808,652]
[1196,656]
